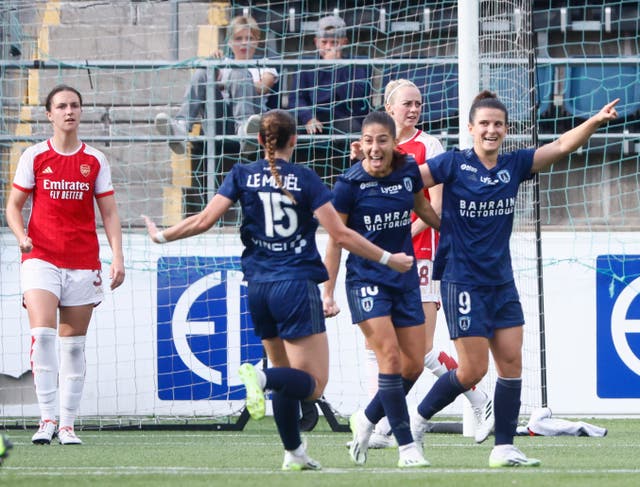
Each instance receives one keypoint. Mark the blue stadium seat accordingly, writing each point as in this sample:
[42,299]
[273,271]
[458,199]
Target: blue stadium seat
[589,87]
[273,17]
[512,85]
[587,15]
[439,86]
[544,87]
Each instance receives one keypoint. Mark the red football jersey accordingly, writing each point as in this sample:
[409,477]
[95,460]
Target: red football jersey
[62,224]
[423,146]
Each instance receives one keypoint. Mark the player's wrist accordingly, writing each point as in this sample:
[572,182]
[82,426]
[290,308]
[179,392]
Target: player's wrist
[160,238]
[384,259]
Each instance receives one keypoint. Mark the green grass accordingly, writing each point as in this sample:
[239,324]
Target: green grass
[253,458]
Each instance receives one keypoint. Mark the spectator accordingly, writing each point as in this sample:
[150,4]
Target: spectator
[246,92]
[332,99]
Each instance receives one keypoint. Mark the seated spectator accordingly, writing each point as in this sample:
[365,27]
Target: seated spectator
[246,92]
[332,99]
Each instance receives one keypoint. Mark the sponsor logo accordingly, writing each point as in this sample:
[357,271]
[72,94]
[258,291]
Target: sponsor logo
[467,167]
[488,180]
[393,189]
[370,184]
[204,329]
[618,326]
[47,170]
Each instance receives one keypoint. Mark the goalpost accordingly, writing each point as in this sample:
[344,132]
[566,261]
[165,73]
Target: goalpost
[164,348]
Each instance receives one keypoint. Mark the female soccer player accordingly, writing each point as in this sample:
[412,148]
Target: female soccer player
[376,196]
[480,298]
[282,267]
[403,101]
[61,269]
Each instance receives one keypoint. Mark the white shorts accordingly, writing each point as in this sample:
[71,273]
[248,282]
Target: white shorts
[429,289]
[72,287]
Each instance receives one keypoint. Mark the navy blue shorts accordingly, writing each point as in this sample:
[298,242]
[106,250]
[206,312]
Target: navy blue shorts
[480,310]
[286,309]
[368,301]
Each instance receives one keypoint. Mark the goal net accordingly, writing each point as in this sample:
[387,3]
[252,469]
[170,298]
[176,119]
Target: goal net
[164,348]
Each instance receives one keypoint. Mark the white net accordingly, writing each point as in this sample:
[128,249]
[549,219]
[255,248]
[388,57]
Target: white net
[165,346]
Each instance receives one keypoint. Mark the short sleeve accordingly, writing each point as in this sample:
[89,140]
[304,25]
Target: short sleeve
[343,196]
[442,167]
[320,194]
[229,187]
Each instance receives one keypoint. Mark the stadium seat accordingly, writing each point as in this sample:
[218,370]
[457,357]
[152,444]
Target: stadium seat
[544,88]
[512,85]
[274,17]
[587,15]
[439,87]
[589,87]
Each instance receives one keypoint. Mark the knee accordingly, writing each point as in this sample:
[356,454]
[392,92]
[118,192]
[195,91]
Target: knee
[471,376]
[318,390]
[412,369]
[388,356]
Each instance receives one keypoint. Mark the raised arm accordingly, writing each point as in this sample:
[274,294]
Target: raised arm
[427,178]
[193,225]
[574,138]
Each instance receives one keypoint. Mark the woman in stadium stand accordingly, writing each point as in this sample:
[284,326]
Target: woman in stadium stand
[375,197]
[282,267]
[61,269]
[473,261]
[248,91]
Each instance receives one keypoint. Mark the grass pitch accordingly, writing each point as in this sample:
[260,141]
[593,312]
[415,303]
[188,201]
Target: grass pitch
[253,458]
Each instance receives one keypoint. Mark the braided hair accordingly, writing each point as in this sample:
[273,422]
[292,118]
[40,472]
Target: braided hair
[276,128]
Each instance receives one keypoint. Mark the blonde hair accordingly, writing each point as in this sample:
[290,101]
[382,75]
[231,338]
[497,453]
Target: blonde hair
[395,85]
[242,22]
[276,128]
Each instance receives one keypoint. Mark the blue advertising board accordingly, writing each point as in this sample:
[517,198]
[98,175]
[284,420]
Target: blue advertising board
[204,328]
[618,326]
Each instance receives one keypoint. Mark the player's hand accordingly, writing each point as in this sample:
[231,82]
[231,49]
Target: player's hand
[608,112]
[313,126]
[26,245]
[400,262]
[116,273]
[330,307]
[152,229]
[356,150]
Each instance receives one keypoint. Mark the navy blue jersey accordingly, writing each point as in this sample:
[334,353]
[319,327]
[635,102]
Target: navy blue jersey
[478,206]
[380,210]
[278,235]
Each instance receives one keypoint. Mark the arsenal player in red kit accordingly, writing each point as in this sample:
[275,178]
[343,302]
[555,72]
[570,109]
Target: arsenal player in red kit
[61,269]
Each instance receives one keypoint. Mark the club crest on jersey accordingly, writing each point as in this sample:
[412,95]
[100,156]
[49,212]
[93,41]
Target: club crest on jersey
[504,176]
[85,169]
[408,184]
[367,304]
[464,323]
